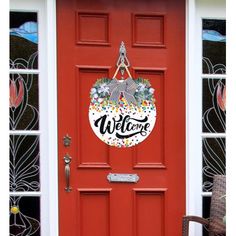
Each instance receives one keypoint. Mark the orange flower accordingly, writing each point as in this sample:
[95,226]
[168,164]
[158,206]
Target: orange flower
[16,97]
[221,97]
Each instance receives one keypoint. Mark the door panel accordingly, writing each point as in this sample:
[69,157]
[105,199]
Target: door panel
[85,77]
[149,204]
[155,142]
[94,206]
[89,36]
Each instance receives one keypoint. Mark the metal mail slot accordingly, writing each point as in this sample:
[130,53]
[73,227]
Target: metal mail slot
[123,178]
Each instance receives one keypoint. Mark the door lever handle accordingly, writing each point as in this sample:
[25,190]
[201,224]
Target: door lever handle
[67,161]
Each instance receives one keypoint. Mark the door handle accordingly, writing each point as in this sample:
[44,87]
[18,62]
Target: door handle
[67,161]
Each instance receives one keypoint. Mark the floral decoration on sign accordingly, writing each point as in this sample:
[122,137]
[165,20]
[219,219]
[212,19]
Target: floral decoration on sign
[100,92]
[122,113]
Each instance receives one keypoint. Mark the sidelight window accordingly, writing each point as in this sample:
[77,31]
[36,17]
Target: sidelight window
[24,125]
[213,106]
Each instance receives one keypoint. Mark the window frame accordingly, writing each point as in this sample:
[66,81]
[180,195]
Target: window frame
[197,10]
[48,193]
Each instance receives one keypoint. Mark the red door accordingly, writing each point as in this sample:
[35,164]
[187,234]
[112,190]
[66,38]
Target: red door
[89,36]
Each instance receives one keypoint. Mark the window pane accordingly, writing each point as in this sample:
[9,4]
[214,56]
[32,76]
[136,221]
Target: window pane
[24,163]
[23,102]
[206,202]
[23,40]
[214,161]
[214,46]
[213,105]
[24,216]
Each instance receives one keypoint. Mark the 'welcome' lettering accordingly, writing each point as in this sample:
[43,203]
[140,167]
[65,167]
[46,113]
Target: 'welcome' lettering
[123,126]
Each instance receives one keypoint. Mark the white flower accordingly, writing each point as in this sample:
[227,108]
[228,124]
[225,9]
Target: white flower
[95,95]
[100,100]
[93,90]
[103,88]
[141,87]
[151,90]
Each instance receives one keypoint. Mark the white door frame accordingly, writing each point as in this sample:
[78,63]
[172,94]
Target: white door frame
[196,11]
[46,10]
[52,117]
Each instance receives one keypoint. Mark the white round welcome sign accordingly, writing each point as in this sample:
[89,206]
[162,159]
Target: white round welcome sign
[122,113]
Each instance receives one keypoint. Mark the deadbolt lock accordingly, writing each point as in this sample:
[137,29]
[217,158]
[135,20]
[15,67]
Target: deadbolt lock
[67,140]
